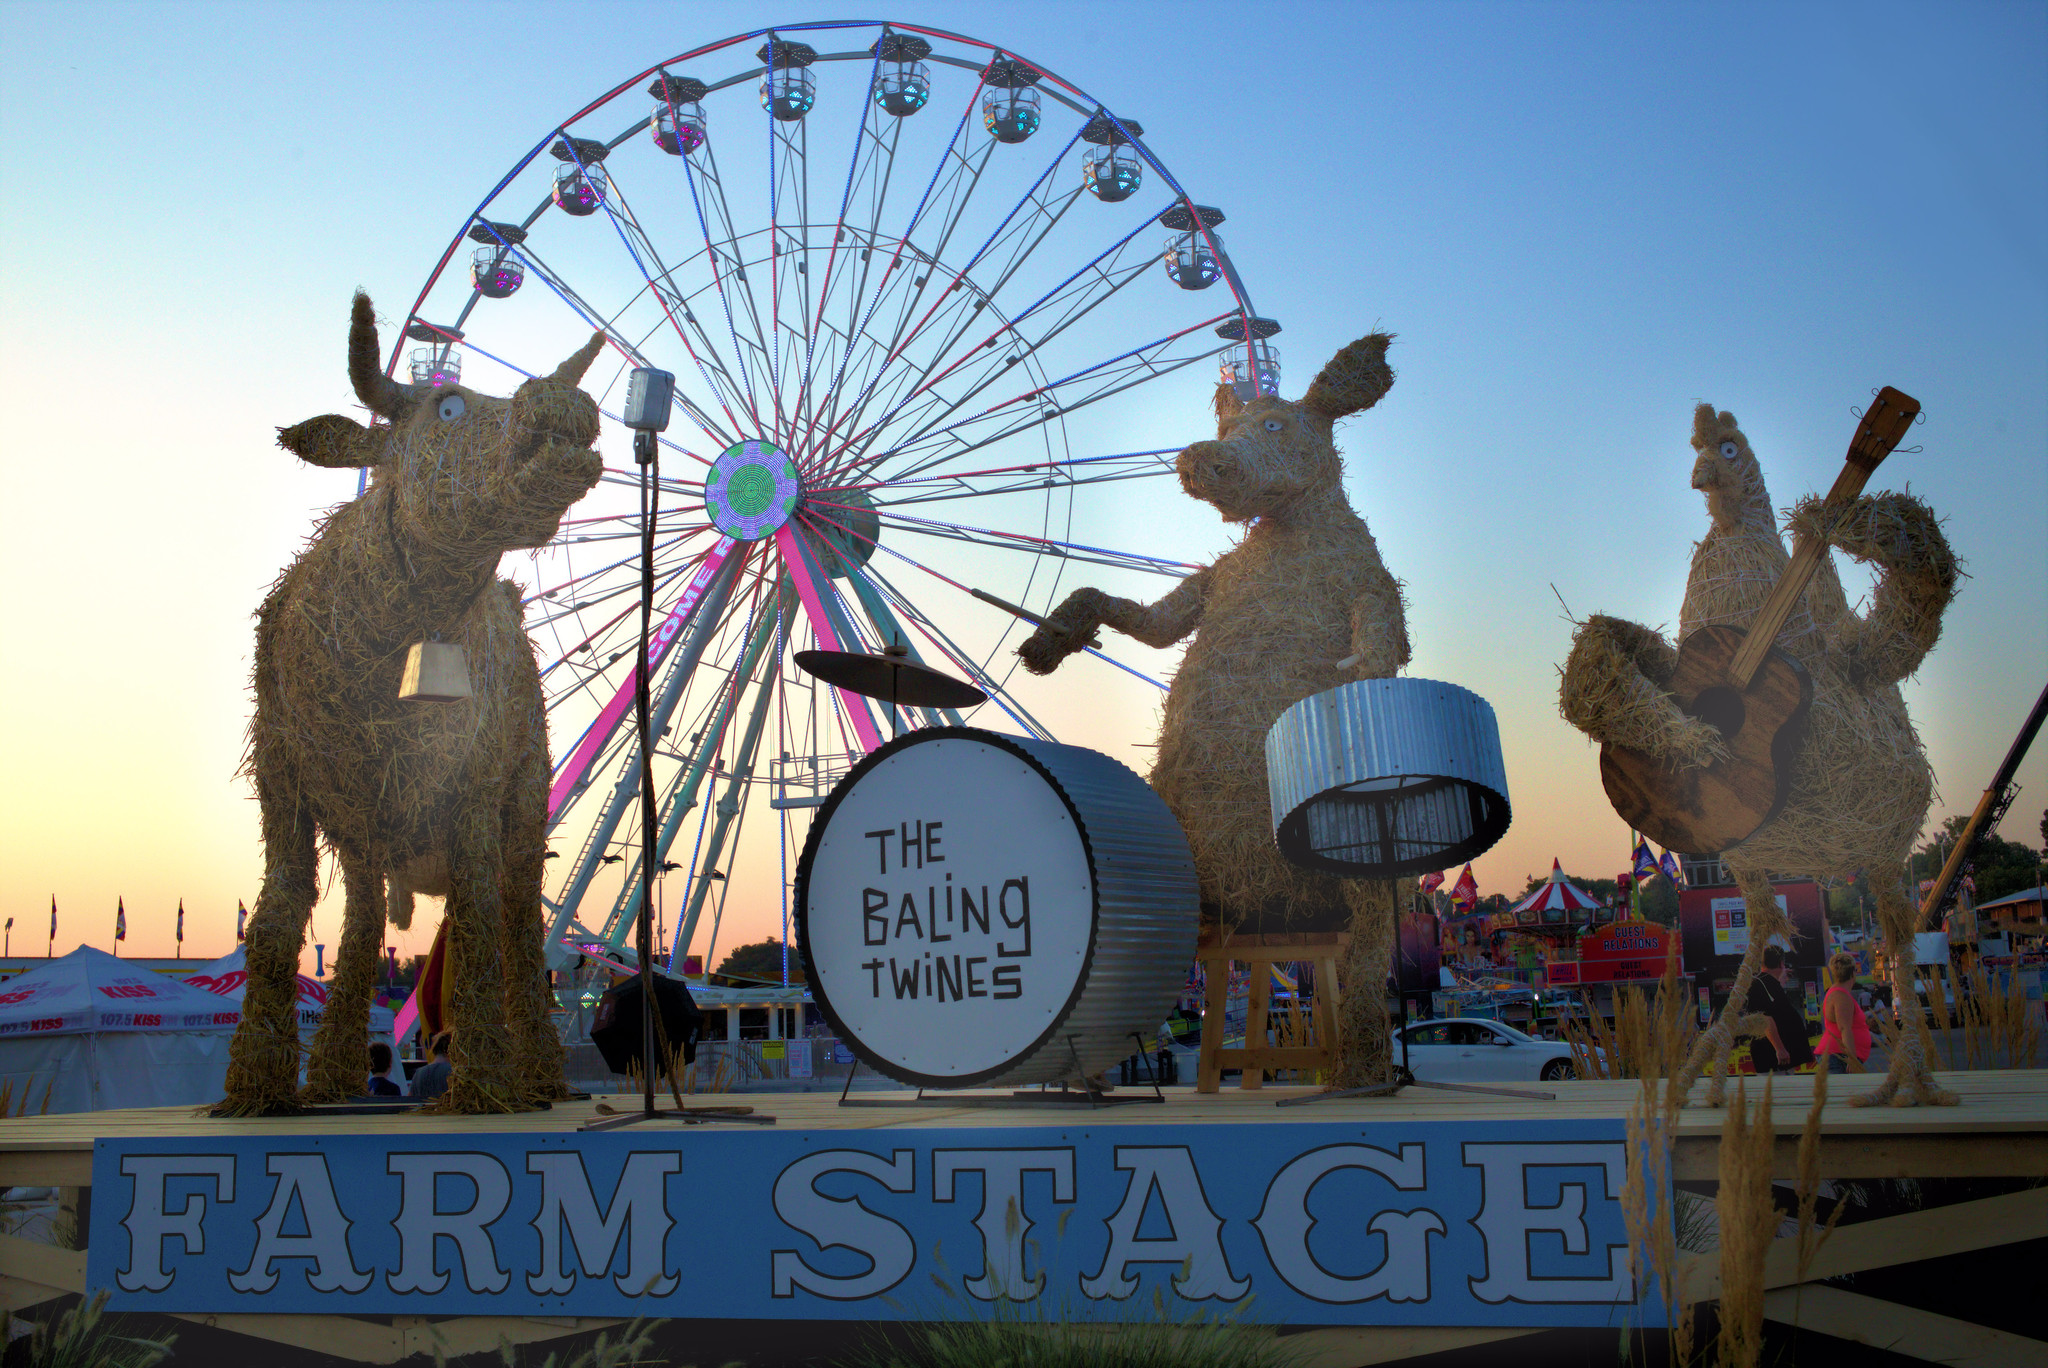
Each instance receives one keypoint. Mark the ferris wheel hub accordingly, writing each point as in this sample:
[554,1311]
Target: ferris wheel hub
[752,490]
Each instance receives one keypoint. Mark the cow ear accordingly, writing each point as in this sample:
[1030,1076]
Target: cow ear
[1229,408]
[1354,380]
[334,441]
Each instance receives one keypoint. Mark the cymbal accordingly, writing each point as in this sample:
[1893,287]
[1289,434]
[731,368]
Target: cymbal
[890,677]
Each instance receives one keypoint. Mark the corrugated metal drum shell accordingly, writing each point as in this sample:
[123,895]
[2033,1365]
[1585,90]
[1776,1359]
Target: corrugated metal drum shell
[1147,911]
[1387,777]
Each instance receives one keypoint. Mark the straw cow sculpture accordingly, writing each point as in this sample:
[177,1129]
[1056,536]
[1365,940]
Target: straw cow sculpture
[1300,605]
[1860,784]
[447,799]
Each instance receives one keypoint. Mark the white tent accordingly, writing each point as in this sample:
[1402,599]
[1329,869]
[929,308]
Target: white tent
[228,977]
[90,1033]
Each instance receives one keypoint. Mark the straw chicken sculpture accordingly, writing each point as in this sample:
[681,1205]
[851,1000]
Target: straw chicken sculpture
[447,799]
[1300,605]
[1860,783]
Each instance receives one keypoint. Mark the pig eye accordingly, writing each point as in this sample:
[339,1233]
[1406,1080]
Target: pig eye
[452,407]
[1729,451]
[1274,425]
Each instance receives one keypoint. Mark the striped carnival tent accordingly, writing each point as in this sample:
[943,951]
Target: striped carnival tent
[1558,896]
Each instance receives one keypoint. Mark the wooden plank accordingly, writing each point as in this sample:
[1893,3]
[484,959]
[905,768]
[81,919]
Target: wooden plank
[1696,1158]
[46,1168]
[1902,1329]
[1907,1238]
[1276,1057]
[1251,1078]
[1355,1346]
[46,1265]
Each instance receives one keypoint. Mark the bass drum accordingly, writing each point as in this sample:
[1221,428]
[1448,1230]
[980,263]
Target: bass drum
[979,909]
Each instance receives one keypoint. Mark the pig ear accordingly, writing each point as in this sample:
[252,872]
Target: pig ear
[1229,408]
[1354,380]
[334,441]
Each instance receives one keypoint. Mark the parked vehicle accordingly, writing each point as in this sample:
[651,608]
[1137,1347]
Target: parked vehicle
[1469,1050]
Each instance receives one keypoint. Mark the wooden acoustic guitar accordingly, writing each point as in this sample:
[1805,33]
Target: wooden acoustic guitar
[1742,684]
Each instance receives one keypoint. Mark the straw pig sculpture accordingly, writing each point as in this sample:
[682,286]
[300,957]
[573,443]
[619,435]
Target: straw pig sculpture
[447,799]
[1860,783]
[1300,605]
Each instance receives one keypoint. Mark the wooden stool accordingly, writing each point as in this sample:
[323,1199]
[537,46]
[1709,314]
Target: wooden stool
[1259,954]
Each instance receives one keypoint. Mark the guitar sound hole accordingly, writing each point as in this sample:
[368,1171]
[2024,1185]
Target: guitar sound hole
[1721,708]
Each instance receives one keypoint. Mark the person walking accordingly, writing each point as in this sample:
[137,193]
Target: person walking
[1842,1022]
[1783,1046]
[432,1078]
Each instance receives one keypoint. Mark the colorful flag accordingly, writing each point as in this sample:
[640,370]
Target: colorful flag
[241,918]
[1645,863]
[181,921]
[1432,882]
[120,920]
[1465,892]
[1672,871]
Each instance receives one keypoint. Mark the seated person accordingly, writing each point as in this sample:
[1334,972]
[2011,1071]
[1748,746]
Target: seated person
[432,1079]
[380,1072]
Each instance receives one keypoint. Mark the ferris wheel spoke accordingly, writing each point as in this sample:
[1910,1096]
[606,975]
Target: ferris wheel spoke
[1036,545]
[719,276]
[959,193]
[1112,376]
[1097,285]
[895,258]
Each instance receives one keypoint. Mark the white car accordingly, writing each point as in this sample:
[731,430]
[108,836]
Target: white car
[1470,1050]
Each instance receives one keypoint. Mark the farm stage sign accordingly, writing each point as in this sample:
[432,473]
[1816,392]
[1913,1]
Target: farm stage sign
[1290,1223]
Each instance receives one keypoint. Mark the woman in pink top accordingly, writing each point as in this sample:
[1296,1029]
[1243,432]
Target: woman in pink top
[1841,1019]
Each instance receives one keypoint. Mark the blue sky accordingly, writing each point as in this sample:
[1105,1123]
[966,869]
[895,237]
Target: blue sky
[1580,220]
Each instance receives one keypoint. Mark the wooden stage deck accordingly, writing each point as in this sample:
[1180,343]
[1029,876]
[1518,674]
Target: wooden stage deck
[2000,1130]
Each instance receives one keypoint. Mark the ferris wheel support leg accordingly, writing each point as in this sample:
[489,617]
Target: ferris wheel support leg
[683,799]
[728,807]
[336,1069]
[709,614]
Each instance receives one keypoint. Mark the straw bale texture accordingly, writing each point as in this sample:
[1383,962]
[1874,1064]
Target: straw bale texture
[443,798]
[1860,783]
[1301,604]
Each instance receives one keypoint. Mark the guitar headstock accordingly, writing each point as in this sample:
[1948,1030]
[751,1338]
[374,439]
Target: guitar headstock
[1884,426]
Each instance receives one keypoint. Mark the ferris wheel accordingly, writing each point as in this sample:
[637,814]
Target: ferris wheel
[900,275]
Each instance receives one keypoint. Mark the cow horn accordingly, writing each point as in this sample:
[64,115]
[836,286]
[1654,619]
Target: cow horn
[380,394]
[570,372]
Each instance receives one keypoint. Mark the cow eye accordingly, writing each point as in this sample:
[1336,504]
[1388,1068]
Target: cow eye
[452,407]
[1274,425]
[1729,450]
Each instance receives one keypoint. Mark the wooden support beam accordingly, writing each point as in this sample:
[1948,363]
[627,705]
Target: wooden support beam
[1902,1329]
[1908,1238]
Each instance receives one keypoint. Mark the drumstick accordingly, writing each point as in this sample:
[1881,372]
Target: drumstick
[1030,616]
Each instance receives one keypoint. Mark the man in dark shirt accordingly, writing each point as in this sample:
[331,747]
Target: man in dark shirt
[432,1078]
[1783,1046]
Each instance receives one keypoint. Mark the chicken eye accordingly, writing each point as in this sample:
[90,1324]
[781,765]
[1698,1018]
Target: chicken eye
[1274,425]
[452,407]
[1729,451]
